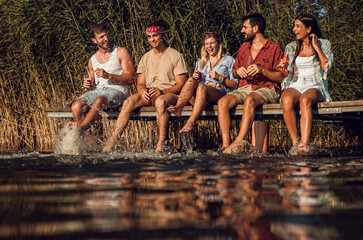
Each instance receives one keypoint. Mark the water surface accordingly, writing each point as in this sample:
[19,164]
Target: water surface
[143,195]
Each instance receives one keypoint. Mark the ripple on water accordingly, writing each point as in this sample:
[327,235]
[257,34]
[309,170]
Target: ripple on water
[185,194]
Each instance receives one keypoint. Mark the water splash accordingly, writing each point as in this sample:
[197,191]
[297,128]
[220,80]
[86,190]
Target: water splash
[71,141]
[187,141]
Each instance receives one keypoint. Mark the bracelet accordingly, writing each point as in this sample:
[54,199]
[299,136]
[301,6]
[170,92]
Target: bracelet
[222,80]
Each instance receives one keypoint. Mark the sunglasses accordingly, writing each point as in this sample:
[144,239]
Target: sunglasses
[210,33]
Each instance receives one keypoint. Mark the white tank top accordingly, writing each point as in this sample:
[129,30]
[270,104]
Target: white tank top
[304,74]
[304,67]
[111,66]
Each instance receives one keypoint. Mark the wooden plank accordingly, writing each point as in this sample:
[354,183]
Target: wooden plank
[324,110]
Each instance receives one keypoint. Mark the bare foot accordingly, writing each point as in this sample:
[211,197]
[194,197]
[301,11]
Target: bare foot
[176,110]
[71,124]
[222,148]
[159,148]
[304,148]
[294,150]
[188,127]
[236,147]
[74,125]
[110,144]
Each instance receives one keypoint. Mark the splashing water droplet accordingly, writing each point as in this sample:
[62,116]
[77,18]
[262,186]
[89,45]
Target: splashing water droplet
[69,141]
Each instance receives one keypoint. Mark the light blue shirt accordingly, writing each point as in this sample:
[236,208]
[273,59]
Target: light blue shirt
[223,68]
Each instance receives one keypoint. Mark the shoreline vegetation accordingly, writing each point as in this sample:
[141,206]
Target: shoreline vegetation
[45,46]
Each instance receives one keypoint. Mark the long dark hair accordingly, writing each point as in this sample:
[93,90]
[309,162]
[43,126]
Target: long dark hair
[309,21]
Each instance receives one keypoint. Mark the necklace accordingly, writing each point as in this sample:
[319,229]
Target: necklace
[213,65]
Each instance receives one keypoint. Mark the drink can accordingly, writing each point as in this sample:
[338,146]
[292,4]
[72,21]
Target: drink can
[200,76]
[89,82]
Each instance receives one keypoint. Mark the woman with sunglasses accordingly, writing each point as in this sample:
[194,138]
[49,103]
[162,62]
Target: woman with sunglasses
[212,74]
[305,80]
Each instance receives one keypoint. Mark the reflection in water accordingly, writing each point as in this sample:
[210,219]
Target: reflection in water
[200,196]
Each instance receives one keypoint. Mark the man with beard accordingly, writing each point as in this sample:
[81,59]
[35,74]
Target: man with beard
[110,71]
[256,67]
[161,75]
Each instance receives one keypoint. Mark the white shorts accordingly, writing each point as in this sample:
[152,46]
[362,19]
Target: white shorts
[303,84]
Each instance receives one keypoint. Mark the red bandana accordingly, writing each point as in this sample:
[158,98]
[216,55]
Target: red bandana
[157,29]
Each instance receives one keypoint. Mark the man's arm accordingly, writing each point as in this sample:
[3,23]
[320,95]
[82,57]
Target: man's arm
[141,83]
[271,75]
[127,77]
[91,75]
[275,75]
[141,87]
[179,83]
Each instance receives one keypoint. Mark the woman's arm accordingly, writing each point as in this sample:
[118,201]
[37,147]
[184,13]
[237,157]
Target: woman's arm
[324,53]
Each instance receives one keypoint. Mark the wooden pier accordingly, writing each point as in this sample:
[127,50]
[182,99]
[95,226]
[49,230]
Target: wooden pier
[334,111]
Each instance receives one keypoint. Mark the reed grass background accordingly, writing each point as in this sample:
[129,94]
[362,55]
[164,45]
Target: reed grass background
[45,44]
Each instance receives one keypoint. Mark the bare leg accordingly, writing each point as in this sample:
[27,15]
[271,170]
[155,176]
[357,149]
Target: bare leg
[186,94]
[204,94]
[132,103]
[80,109]
[252,101]
[289,99]
[307,99]
[93,115]
[225,104]
[162,117]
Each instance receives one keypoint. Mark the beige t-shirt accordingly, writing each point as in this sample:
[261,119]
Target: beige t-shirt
[160,70]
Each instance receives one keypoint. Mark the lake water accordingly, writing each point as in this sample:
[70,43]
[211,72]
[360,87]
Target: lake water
[143,195]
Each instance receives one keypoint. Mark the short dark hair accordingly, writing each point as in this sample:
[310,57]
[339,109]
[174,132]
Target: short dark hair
[256,19]
[97,28]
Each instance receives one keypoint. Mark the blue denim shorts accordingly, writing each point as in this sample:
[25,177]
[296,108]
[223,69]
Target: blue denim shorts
[115,97]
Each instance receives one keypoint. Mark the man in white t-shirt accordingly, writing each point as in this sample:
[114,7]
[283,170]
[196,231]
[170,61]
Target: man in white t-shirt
[161,75]
[111,71]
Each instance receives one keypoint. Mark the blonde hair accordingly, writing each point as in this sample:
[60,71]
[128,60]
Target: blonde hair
[205,55]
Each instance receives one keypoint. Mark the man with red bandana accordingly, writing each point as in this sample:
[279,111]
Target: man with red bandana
[260,80]
[161,75]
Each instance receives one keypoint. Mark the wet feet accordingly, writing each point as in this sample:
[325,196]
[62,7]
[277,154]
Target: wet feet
[299,149]
[71,124]
[176,110]
[221,149]
[110,144]
[159,148]
[74,125]
[294,150]
[304,148]
[188,127]
[238,146]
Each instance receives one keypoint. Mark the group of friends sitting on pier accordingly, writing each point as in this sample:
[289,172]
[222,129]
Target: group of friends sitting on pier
[258,75]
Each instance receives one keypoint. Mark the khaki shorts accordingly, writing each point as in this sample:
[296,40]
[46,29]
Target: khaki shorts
[269,94]
[153,99]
